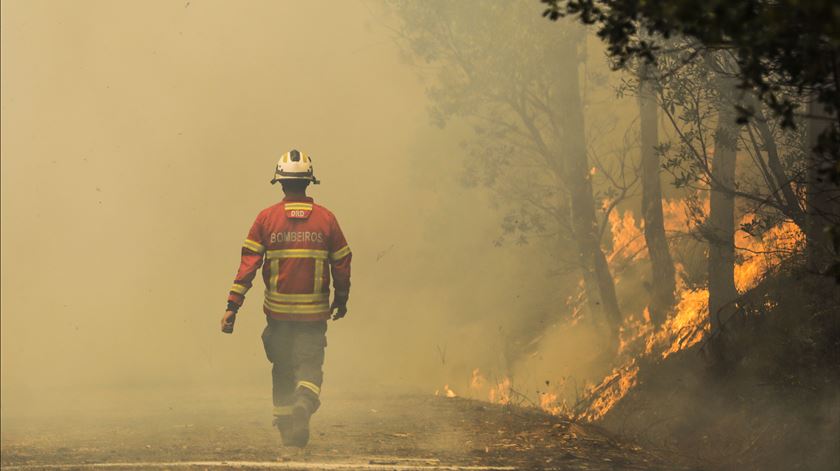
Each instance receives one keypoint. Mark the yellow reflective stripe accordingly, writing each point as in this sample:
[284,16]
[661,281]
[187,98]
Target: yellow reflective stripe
[297,253]
[297,298]
[304,206]
[282,410]
[274,267]
[239,289]
[254,246]
[340,253]
[310,386]
[297,308]
[319,276]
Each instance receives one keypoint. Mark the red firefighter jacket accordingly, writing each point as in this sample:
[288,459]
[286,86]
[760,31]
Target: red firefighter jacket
[301,244]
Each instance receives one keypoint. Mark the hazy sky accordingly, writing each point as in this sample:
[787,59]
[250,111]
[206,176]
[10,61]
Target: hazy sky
[138,140]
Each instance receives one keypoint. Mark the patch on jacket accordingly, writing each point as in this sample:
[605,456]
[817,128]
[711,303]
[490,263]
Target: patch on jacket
[298,210]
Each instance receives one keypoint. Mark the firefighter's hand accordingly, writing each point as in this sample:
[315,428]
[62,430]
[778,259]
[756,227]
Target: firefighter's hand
[339,310]
[227,322]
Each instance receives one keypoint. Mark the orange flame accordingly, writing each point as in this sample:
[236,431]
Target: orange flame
[688,322]
[677,215]
[500,394]
[684,327]
[761,255]
[477,381]
[549,402]
[633,330]
[628,241]
[612,389]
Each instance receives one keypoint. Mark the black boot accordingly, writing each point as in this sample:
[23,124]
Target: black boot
[299,432]
[283,423]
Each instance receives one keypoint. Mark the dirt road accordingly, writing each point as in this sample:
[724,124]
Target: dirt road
[401,432]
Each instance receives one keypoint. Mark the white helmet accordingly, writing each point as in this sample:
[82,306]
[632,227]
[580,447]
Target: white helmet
[294,165]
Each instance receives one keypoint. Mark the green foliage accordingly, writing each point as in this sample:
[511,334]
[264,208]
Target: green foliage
[783,49]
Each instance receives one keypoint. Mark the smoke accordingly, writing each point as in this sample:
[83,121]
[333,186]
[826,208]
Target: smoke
[138,141]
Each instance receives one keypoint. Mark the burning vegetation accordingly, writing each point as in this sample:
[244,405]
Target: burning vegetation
[640,340]
[649,242]
[689,322]
[665,212]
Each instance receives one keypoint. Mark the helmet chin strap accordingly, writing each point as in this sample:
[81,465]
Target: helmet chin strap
[314,181]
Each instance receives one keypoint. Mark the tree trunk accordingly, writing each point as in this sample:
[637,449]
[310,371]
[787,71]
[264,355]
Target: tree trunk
[599,284]
[662,266]
[721,221]
[780,180]
[822,196]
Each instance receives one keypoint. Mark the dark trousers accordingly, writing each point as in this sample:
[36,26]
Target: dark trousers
[296,351]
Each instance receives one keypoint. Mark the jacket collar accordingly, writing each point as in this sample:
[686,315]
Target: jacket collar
[305,199]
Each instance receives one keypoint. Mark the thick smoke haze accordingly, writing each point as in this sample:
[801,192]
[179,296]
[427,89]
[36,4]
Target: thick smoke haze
[529,227]
[138,142]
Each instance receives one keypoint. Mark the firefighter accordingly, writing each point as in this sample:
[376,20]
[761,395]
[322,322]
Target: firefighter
[298,244]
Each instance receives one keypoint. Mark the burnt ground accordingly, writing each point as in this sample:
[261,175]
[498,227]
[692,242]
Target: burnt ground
[770,402]
[396,432]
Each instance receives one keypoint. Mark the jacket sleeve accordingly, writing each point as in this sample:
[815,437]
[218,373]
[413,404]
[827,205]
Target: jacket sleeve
[252,257]
[340,257]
